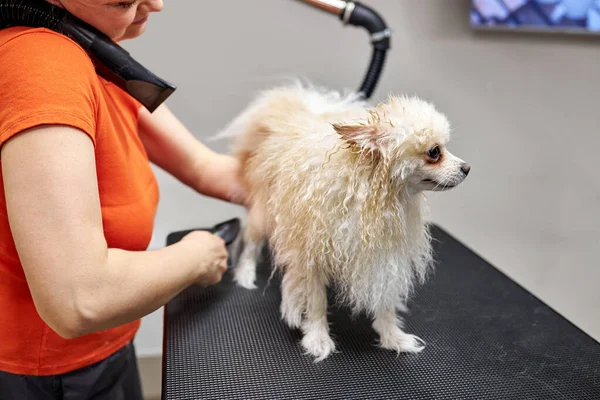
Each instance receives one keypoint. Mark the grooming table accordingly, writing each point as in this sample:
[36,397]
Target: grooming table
[487,338]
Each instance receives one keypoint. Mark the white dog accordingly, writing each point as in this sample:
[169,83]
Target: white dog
[337,186]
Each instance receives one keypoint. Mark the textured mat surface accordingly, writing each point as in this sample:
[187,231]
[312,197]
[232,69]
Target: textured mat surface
[487,338]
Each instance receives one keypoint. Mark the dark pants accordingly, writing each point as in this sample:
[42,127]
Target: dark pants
[115,378]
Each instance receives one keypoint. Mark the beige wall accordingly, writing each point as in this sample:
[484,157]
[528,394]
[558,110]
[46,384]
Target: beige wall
[523,107]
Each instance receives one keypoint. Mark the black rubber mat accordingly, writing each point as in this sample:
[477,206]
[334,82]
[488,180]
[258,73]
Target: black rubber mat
[487,338]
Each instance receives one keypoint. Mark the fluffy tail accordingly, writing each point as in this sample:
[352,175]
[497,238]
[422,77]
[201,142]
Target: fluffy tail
[312,98]
[238,125]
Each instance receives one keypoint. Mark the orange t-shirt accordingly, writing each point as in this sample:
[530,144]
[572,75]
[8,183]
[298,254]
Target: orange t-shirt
[46,78]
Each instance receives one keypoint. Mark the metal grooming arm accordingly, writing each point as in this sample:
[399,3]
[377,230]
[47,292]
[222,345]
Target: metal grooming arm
[360,15]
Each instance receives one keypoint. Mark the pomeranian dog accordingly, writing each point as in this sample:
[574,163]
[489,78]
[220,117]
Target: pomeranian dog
[336,187]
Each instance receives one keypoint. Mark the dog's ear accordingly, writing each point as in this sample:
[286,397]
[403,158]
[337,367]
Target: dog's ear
[367,135]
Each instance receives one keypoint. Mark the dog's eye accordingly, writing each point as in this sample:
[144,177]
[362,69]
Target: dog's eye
[434,153]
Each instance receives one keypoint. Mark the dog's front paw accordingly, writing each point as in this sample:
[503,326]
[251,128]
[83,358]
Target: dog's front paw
[402,342]
[245,274]
[318,344]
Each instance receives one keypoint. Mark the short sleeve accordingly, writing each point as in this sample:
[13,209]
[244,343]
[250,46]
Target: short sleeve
[45,78]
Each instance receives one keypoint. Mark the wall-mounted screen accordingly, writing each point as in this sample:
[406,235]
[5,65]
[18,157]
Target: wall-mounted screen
[573,16]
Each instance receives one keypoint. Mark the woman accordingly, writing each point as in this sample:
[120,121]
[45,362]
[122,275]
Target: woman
[77,202]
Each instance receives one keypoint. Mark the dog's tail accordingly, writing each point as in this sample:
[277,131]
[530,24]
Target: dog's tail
[307,98]
[239,124]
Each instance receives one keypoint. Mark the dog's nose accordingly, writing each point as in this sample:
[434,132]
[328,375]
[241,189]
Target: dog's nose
[465,168]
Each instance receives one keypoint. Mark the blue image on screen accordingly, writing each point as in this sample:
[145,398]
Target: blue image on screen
[581,16]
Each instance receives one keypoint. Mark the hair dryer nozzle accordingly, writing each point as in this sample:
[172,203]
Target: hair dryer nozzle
[116,65]
[151,95]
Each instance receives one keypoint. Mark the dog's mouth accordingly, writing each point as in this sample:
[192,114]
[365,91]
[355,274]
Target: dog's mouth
[439,185]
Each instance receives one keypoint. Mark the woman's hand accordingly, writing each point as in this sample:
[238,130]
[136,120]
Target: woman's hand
[211,256]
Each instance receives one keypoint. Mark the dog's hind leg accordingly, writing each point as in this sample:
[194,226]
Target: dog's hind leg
[245,271]
[315,327]
[392,337]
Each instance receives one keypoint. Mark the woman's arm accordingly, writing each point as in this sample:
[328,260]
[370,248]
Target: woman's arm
[173,148]
[78,284]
